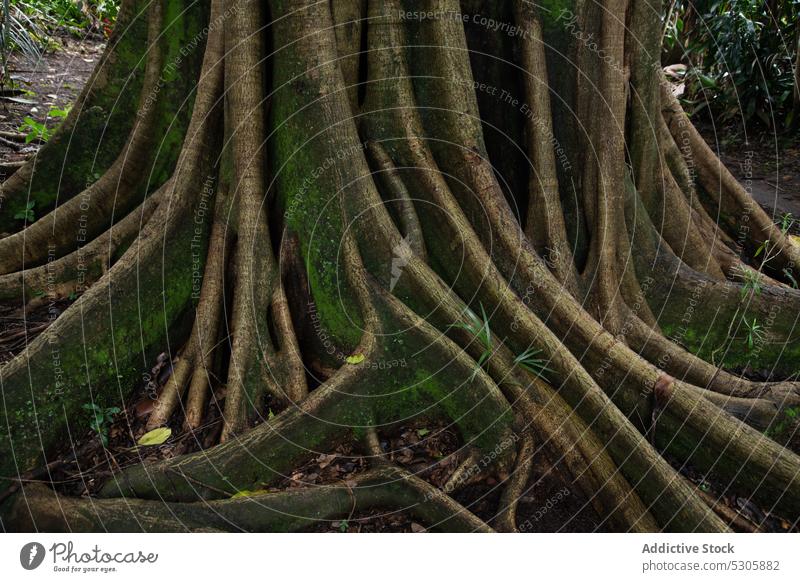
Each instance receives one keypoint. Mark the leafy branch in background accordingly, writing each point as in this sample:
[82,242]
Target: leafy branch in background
[73,16]
[740,57]
[27,25]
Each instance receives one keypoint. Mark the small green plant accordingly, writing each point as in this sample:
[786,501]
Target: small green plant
[751,282]
[101,420]
[529,360]
[787,222]
[58,113]
[479,328]
[35,130]
[778,428]
[754,332]
[27,213]
[792,280]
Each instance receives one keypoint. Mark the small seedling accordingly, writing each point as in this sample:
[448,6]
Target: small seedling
[791,278]
[101,420]
[479,328]
[34,130]
[754,332]
[787,221]
[780,427]
[27,213]
[529,360]
[751,282]
[58,113]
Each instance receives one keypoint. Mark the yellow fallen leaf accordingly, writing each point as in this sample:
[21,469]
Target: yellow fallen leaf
[157,436]
[355,359]
[795,239]
[248,493]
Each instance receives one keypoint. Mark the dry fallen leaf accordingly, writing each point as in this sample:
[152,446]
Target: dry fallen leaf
[248,493]
[157,436]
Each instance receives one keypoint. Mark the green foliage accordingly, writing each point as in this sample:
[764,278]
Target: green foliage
[19,32]
[77,16]
[754,332]
[787,222]
[101,419]
[740,56]
[751,282]
[26,213]
[479,328]
[529,360]
[779,427]
[35,130]
[27,25]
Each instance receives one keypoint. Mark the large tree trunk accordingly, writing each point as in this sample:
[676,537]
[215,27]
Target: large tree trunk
[336,188]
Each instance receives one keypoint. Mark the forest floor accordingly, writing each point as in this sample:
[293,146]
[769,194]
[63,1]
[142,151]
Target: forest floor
[426,449]
[53,82]
[767,165]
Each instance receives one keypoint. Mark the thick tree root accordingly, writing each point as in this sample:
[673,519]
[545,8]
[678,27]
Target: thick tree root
[736,208]
[208,317]
[110,329]
[386,488]
[406,282]
[507,518]
[81,268]
[251,347]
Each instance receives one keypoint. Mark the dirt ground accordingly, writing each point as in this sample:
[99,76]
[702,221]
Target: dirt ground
[54,81]
[767,165]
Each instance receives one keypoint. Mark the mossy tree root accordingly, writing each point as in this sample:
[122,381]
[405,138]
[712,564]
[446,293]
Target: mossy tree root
[374,243]
[387,488]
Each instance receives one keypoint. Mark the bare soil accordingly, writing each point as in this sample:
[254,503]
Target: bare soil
[54,81]
[767,165]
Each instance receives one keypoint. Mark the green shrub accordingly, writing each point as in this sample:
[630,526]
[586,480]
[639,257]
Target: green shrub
[740,56]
